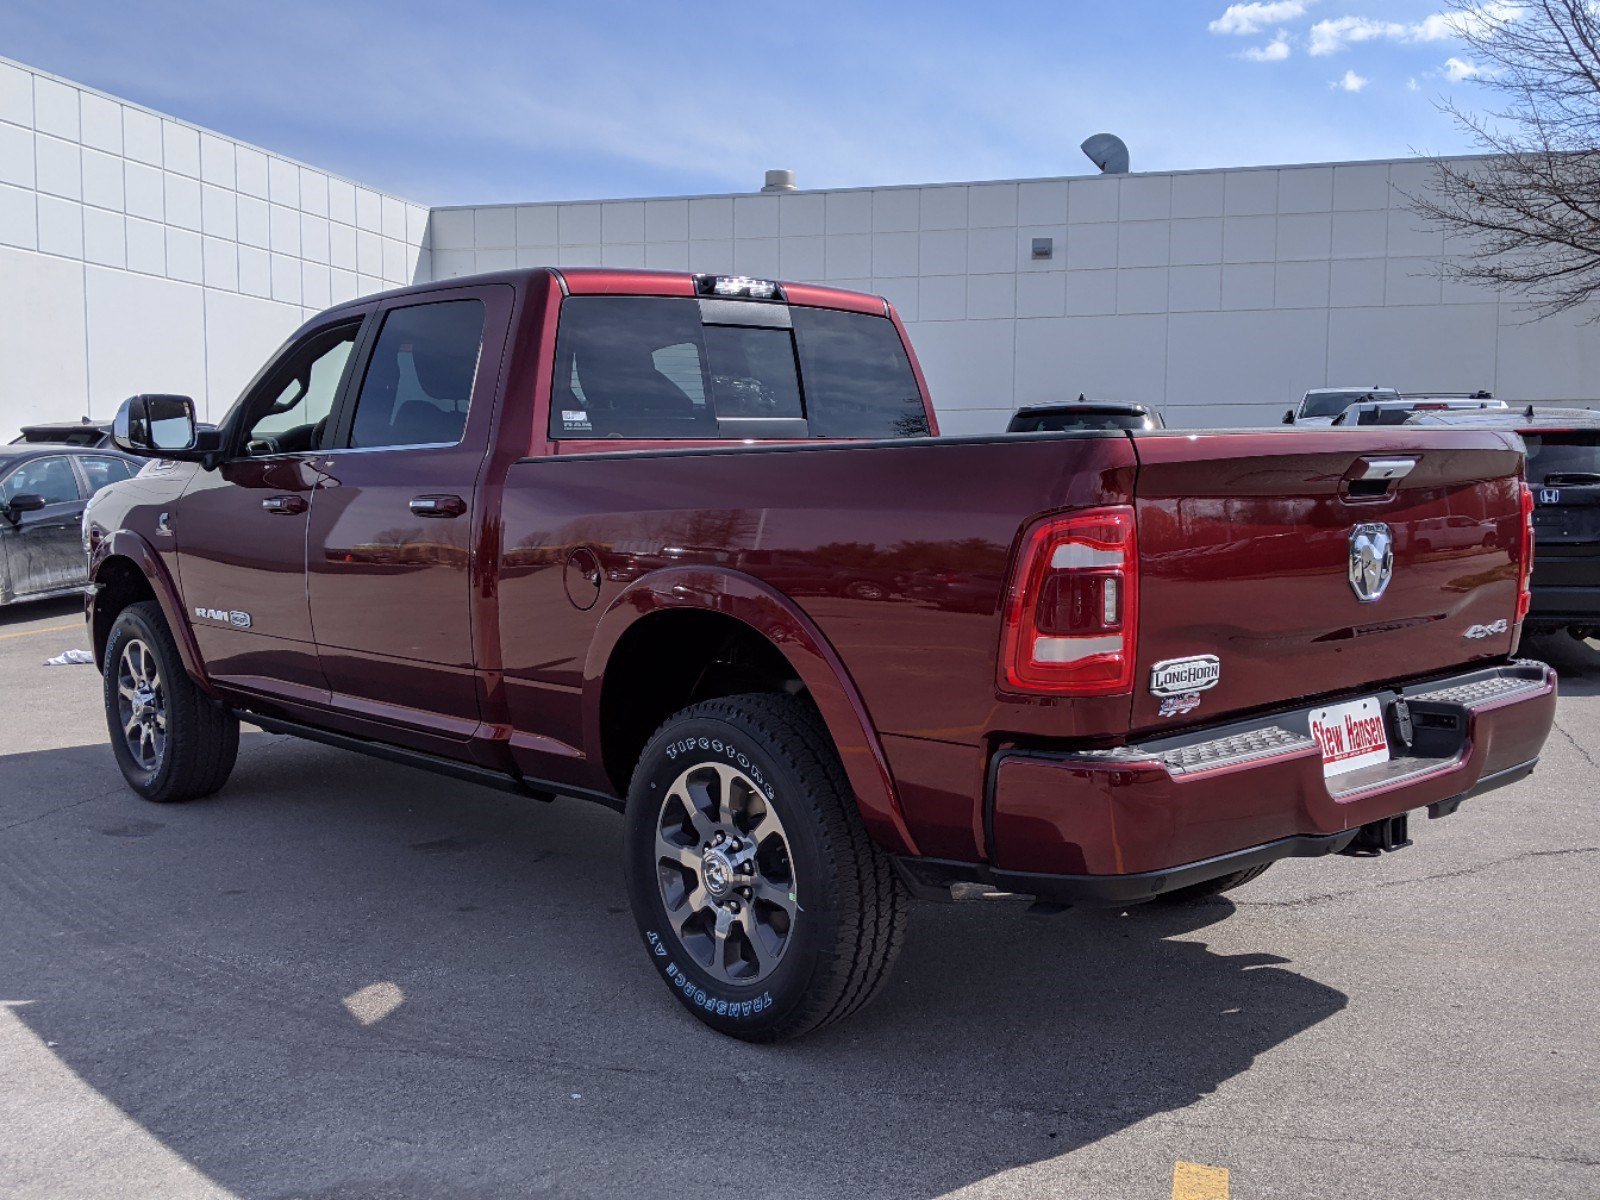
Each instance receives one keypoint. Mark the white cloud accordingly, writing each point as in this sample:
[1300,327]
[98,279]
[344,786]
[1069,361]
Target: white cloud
[1413,86]
[1339,33]
[1457,70]
[1330,37]
[1350,83]
[1274,51]
[1246,20]
[1439,27]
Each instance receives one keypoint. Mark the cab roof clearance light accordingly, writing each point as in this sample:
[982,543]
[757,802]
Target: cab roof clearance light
[738,287]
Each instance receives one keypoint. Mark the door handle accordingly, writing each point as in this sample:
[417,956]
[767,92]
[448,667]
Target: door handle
[285,505]
[438,506]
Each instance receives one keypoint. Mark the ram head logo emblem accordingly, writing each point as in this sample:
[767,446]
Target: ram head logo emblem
[1371,560]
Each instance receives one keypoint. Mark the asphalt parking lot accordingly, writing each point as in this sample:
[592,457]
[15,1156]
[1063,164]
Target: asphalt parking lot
[345,979]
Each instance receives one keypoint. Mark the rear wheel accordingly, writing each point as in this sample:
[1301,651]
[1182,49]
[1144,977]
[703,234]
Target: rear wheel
[1212,887]
[172,741]
[761,898]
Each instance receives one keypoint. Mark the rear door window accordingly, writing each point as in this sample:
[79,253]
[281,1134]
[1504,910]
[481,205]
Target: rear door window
[654,368]
[101,471]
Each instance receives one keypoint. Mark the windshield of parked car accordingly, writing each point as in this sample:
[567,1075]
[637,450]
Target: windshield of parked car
[1331,404]
[1563,459]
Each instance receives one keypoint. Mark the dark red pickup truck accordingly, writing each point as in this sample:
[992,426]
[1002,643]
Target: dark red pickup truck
[690,546]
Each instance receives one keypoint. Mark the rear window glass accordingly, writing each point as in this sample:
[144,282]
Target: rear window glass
[648,368]
[1062,422]
[1563,459]
[858,379]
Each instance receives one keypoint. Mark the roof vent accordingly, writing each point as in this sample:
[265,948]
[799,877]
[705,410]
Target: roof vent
[1108,152]
[779,181]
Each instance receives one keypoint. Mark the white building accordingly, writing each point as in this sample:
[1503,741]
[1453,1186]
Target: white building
[138,252]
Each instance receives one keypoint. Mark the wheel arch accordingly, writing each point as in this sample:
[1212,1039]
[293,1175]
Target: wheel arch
[127,570]
[707,620]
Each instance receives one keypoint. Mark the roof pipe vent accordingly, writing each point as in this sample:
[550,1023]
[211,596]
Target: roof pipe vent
[779,181]
[1108,152]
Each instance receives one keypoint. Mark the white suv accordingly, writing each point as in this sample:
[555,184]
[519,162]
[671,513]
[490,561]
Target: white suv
[1319,406]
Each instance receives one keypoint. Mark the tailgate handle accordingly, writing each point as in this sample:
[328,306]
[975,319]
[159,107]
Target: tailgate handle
[1375,478]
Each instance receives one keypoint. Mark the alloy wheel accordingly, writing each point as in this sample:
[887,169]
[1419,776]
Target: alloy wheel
[725,873]
[142,705]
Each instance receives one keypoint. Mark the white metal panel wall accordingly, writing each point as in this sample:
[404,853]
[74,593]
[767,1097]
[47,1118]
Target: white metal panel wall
[141,253]
[1218,295]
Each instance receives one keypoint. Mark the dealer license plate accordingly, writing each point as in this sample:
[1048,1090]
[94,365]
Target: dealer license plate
[1350,735]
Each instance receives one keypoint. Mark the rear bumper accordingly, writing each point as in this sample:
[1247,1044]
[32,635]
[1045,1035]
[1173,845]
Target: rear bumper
[1116,827]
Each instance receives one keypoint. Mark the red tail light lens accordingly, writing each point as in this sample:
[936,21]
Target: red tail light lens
[1072,610]
[1525,567]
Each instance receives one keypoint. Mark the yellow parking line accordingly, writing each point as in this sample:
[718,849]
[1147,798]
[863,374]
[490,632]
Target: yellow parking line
[32,632]
[1192,1181]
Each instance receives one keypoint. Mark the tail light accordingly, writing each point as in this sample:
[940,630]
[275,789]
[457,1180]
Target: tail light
[1072,610]
[1525,568]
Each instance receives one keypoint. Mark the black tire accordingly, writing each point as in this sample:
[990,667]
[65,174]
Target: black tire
[850,908]
[200,738]
[1212,887]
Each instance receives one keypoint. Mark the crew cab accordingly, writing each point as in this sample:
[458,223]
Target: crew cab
[605,534]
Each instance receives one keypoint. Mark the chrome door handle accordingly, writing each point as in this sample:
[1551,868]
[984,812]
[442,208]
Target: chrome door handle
[284,505]
[438,506]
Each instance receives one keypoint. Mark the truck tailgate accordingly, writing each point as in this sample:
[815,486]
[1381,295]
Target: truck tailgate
[1245,546]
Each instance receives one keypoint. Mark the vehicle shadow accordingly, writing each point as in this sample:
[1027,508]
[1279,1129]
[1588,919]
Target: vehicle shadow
[67,608]
[343,978]
[1577,663]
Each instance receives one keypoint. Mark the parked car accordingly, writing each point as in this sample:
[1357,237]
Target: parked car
[1319,406]
[1563,447]
[43,490]
[94,435]
[1398,412]
[91,435]
[1085,414]
[1139,708]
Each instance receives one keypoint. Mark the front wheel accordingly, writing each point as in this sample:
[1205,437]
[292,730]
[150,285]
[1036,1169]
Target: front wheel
[761,898]
[172,741]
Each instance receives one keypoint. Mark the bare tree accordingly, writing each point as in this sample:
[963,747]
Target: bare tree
[1530,209]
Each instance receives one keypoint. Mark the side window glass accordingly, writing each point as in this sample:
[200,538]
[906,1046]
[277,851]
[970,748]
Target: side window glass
[419,382]
[51,478]
[101,471]
[291,416]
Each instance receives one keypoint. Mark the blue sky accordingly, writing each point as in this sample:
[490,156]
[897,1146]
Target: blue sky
[492,100]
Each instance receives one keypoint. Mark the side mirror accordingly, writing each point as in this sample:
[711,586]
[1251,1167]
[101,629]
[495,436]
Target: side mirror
[22,502]
[155,426]
[1288,417]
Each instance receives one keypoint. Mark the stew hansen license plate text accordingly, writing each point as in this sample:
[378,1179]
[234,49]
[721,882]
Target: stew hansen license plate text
[1350,736]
